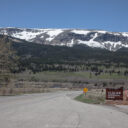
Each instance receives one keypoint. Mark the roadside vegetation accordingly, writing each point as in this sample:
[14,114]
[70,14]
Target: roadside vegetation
[92,97]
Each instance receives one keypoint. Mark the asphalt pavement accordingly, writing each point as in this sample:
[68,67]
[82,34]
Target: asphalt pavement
[57,110]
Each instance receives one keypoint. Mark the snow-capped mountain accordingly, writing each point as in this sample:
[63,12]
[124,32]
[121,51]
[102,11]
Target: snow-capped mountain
[69,37]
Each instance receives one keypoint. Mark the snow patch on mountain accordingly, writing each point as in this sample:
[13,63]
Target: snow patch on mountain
[91,42]
[125,34]
[84,32]
[70,44]
[53,33]
[101,32]
[93,38]
[26,35]
[4,32]
[113,45]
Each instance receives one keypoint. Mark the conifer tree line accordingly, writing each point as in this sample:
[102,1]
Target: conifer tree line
[8,60]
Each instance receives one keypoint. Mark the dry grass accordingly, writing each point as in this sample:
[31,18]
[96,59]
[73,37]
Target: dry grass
[94,96]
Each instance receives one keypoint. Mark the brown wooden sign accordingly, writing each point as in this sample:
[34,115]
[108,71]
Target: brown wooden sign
[114,94]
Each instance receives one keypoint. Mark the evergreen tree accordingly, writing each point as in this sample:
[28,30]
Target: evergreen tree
[8,60]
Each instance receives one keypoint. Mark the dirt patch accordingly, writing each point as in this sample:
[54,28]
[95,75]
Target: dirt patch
[117,102]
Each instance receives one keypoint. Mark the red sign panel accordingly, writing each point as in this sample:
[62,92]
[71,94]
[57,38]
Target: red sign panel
[114,94]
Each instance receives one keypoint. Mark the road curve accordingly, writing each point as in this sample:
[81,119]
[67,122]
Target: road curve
[57,110]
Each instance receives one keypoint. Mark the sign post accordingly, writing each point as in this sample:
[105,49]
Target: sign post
[114,94]
[85,90]
[126,95]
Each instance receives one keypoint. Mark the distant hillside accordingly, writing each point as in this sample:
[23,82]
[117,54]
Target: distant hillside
[37,54]
[111,41]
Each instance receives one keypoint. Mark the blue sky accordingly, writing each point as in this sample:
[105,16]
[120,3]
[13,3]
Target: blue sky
[111,15]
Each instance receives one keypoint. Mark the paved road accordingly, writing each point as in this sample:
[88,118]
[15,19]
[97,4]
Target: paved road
[57,110]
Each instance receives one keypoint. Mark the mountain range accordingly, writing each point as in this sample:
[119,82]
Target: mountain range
[111,41]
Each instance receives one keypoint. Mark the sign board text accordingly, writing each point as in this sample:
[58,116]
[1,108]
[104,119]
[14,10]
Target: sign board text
[114,94]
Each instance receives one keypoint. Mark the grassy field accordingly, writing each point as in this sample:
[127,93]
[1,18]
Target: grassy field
[66,76]
[93,97]
[30,82]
